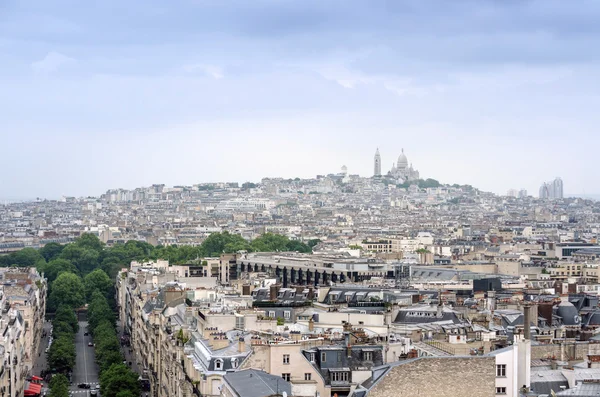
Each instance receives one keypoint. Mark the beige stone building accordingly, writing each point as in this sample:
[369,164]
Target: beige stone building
[22,305]
[436,376]
[285,359]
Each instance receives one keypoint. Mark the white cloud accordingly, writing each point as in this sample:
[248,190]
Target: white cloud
[210,70]
[398,85]
[52,62]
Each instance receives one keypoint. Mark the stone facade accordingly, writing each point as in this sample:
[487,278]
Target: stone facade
[23,306]
[440,377]
[565,351]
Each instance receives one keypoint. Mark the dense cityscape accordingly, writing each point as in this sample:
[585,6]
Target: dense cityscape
[284,198]
[339,285]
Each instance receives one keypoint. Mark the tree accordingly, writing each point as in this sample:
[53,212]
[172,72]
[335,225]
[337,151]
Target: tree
[26,257]
[67,315]
[67,290]
[59,386]
[99,311]
[214,245]
[51,251]
[97,281]
[61,356]
[117,380]
[270,242]
[89,241]
[85,259]
[294,245]
[55,267]
[312,243]
[109,358]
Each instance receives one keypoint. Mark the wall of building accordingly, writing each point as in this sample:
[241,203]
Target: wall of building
[563,351]
[269,358]
[440,377]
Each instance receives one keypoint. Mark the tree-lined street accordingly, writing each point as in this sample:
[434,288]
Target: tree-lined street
[85,370]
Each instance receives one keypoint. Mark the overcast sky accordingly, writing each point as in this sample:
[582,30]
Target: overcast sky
[495,93]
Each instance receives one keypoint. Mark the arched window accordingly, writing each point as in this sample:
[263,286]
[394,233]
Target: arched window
[218,364]
[234,362]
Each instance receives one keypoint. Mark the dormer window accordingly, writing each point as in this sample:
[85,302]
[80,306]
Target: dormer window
[218,364]
[234,362]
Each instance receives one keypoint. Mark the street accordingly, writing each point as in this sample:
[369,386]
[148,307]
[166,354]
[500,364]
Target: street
[86,370]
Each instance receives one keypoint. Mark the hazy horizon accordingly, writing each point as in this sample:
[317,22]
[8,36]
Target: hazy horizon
[497,95]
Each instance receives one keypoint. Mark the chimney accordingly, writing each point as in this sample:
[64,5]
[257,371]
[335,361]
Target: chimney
[348,344]
[311,325]
[273,291]
[241,345]
[527,321]
[245,290]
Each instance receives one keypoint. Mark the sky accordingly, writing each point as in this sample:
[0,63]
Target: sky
[498,94]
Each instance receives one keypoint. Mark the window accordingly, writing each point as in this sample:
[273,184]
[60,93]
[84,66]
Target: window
[501,390]
[286,315]
[323,356]
[307,376]
[218,364]
[272,314]
[286,358]
[234,362]
[501,370]
[339,357]
[311,357]
[239,322]
[286,377]
[368,356]
[339,376]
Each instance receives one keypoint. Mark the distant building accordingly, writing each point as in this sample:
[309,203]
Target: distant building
[402,171]
[377,164]
[552,190]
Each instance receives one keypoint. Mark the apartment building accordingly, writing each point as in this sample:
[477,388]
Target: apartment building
[563,271]
[22,305]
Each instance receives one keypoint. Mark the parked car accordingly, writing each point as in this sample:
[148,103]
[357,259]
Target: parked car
[90,344]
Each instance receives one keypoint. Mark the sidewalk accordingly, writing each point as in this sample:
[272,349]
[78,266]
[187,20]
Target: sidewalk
[39,362]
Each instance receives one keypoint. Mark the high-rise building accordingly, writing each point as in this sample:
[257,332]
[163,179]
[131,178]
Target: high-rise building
[522,193]
[377,164]
[511,193]
[557,187]
[552,190]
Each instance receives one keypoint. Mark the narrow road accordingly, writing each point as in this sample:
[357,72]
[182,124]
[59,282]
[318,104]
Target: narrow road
[86,370]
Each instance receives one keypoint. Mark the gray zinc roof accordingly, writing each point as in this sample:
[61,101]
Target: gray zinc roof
[255,383]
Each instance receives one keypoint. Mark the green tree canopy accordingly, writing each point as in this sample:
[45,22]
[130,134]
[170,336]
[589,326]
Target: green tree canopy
[97,280]
[117,380]
[61,356]
[99,310]
[89,241]
[67,315]
[85,259]
[215,244]
[59,386]
[51,251]
[26,257]
[55,267]
[67,290]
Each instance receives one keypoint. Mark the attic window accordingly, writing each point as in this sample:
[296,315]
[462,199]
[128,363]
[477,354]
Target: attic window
[218,364]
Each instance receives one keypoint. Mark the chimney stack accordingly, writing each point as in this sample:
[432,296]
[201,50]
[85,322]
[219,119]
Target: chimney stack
[527,321]
[241,345]
[311,325]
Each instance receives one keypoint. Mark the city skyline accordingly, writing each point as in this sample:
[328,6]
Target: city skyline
[98,99]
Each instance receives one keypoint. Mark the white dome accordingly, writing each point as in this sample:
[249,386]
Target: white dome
[402,161]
